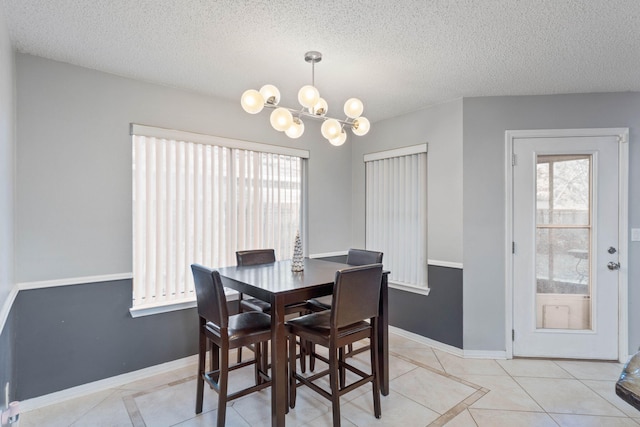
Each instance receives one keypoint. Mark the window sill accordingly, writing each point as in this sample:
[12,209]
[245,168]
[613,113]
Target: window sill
[166,307]
[410,288]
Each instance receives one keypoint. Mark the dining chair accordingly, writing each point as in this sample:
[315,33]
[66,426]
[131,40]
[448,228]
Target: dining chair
[220,333]
[353,317]
[354,257]
[258,257]
[254,257]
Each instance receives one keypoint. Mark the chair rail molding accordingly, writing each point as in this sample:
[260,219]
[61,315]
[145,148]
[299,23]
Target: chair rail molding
[6,307]
[74,281]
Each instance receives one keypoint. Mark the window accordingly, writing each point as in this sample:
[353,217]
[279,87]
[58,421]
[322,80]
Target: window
[396,213]
[198,199]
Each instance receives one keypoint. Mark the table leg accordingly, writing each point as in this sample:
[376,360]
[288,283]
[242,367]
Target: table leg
[278,364]
[383,336]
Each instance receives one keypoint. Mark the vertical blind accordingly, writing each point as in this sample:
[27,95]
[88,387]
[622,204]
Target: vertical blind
[200,203]
[396,212]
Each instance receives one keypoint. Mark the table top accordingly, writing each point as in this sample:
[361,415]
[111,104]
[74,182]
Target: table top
[264,281]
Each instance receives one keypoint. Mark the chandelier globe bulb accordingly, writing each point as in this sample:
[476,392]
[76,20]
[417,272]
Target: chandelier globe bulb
[339,140]
[353,108]
[320,108]
[281,119]
[308,96]
[296,129]
[270,94]
[252,102]
[361,126]
[331,128]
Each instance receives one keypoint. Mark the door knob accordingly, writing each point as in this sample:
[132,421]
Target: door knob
[613,266]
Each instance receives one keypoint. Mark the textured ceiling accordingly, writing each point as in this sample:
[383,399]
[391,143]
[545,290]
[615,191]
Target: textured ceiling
[397,56]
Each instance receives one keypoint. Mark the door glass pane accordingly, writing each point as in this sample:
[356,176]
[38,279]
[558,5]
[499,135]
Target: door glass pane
[563,236]
[563,193]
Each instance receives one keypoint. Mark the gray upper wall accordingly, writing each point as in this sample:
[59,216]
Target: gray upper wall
[74,175]
[74,165]
[440,127]
[485,122]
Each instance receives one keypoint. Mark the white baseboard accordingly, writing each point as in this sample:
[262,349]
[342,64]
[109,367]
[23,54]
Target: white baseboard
[107,383]
[69,281]
[467,354]
[427,341]
[484,354]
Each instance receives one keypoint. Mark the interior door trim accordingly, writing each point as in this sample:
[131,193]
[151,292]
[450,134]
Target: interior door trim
[623,225]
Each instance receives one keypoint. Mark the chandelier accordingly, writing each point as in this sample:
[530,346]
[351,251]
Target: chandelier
[289,120]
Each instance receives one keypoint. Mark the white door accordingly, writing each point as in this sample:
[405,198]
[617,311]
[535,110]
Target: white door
[566,247]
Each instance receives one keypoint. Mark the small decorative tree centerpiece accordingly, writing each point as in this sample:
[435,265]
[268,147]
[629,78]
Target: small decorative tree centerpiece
[297,263]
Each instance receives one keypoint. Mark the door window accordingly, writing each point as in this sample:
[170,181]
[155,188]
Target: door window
[563,242]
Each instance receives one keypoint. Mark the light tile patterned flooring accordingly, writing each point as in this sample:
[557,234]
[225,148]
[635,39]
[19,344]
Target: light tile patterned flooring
[428,388]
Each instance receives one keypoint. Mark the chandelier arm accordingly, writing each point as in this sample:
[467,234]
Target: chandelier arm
[302,113]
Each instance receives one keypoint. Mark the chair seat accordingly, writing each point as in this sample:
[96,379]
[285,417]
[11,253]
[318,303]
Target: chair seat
[322,302]
[319,324]
[245,324]
[254,304]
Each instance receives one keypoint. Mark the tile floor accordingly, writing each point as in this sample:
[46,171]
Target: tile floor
[428,388]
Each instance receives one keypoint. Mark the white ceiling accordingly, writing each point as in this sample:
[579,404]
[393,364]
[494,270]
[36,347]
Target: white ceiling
[396,55]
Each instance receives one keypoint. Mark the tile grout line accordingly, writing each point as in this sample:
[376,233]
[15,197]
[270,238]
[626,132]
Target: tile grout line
[133,411]
[458,409]
[113,391]
[573,378]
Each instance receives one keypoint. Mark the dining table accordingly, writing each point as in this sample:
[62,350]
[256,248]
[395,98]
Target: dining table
[277,284]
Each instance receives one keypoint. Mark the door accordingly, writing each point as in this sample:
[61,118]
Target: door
[566,247]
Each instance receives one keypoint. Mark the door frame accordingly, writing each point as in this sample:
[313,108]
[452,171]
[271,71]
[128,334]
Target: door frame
[623,225]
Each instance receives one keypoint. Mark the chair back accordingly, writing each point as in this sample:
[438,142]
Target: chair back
[363,257]
[255,257]
[212,303]
[356,294]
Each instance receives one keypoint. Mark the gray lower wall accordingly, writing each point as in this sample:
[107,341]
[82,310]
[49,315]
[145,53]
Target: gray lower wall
[7,371]
[437,316]
[72,335]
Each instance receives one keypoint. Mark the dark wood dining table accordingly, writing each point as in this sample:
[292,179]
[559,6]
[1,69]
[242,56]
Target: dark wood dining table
[278,285]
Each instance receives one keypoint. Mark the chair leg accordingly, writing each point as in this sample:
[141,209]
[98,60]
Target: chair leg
[373,340]
[239,351]
[292,371]
[222,386]
[265,357]
[214,351]
[335,389]
[202,353]
[343,374]
[312,359]
[257,357]
[303,355]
